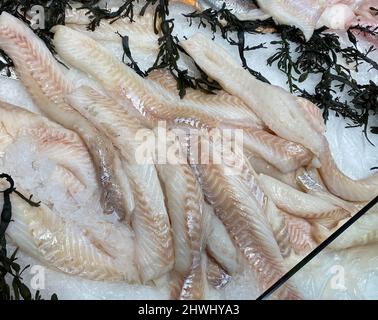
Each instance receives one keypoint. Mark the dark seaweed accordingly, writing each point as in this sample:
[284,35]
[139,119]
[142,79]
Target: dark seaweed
[319,55]
[97,14]
[127,53]
[169,53]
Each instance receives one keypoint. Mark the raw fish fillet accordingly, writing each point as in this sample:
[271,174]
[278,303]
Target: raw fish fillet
[285,155]
[221,247]
[301,204]
[344,187]
[150,220]
[262,166]
[186,211]
[293,235]
[70,248]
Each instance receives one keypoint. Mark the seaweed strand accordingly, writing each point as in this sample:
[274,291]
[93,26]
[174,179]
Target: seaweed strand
[225,21]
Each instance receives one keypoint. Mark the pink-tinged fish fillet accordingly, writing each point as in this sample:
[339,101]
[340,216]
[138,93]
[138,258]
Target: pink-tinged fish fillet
[277,222]
[152,230]
[108,116]
[364,8]
[343,186]
[71,248]
[313,114]
[300,232]
[40,73]
[301,204]
[186,210]
[151,100]
[293,235]
[285,155]
[278,109]
[150,219]
[303,14]
[341,14]
[191,287]
[243,216]
[217,277]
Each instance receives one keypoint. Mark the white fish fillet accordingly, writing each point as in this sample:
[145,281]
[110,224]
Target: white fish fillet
[293,235]
[301,204]
[220,245]
[75,250]
[337,17]
[337,182]
[76,16]
[363,232]
[219,105]
[262,166]
[108,116]
[243,216]
[303,14]
[285,155]
[278,109]
[311,182]
[344,187]
[150,219]
[186,211]
[313,114]
[40,73]
[300,235]
[191,287]
[150,99]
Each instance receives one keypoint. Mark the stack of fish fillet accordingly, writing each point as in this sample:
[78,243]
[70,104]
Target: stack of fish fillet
[189,224]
